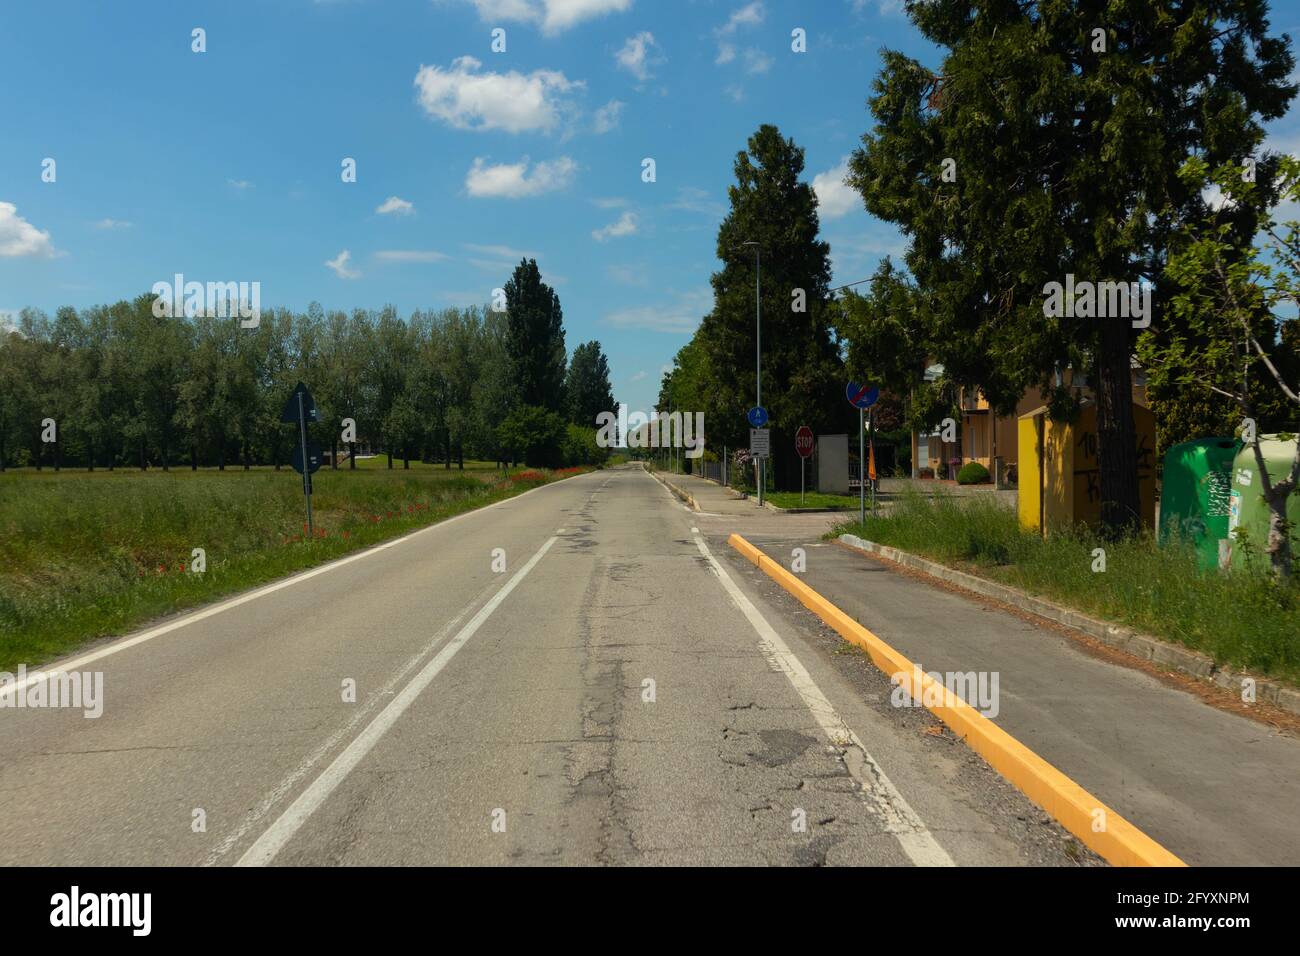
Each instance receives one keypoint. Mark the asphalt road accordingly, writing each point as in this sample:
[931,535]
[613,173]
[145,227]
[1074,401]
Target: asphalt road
[621,693]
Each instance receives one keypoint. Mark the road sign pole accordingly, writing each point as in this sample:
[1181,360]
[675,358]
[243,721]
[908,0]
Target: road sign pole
[758,352]
[862,467]
[800,481]
[306,465]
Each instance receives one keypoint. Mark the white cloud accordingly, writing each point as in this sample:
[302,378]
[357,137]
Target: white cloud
[885,7]
[624,226]
[611,203]
[409,255]
[834,197]
[493,258]
[680,316]
[637,376]
[503,252]
[553,16]
[692,199]
[508,10]
[112,224]
[516,181]
[562,14]
[395,206]
[18,237]
[240,184]
[464,297]
[340,266]
[607,116]
[639,54]
[750,15]
[756,61]
[735,91]
[634,275]
[466,98]
[1214,197]
[856,257]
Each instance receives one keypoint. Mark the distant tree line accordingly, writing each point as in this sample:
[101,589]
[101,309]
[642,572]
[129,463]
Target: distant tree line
[125,388]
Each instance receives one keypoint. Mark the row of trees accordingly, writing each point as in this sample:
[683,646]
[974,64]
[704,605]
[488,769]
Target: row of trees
[116,385]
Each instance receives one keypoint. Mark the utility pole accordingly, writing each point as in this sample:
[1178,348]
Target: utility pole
[758,348]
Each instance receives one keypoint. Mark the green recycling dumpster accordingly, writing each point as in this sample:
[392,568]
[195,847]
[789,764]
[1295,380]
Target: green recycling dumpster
[1247,508]
[1195,494]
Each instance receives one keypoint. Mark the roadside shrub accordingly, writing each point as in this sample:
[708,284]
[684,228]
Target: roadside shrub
[580,447]
[972,473]
[535,434]
[741,473]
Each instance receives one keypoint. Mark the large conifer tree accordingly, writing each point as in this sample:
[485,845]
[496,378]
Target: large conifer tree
[1066,123]
[772,207]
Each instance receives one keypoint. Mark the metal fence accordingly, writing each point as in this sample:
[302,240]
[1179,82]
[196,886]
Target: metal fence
[855,476]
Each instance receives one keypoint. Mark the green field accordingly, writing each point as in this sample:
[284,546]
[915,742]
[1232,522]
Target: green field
[1243,619]
[85,555]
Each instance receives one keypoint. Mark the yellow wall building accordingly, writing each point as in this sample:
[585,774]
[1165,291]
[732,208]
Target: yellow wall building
[1059,478]
[989,438]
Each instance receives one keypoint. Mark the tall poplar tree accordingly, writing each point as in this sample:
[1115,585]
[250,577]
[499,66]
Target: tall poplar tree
[535,338]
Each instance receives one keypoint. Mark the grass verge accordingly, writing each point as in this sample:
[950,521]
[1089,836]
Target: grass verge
[1243,619]
[814,499]
[84,556]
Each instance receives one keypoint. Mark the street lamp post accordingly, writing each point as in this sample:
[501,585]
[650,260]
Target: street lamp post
[758,348]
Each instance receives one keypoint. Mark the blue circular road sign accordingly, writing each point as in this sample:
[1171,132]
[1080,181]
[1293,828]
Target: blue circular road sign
[757,416]
[861,396]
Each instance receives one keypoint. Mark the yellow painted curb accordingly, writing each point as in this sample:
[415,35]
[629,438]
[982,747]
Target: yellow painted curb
[1119,842]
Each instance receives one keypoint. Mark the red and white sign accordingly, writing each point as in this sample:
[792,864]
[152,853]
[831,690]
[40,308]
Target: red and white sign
[803,441]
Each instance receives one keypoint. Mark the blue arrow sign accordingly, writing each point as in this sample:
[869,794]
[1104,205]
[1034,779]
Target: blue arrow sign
[861,396]
[757,416]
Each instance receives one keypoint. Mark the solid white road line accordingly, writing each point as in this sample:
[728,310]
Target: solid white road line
[895,812]
[77,663]
[255,816]
[265,848]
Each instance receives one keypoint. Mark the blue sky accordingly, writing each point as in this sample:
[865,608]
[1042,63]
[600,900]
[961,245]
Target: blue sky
[225,165]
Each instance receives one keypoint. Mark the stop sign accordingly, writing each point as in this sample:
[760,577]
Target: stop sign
[803,441]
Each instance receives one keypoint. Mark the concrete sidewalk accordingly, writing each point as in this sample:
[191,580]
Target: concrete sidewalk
[705,495]
[720,510]
[1212,787]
